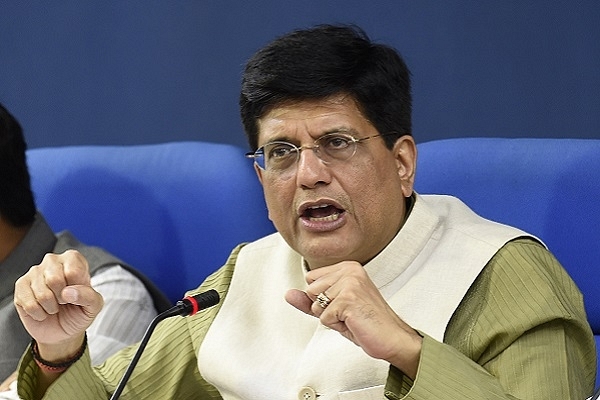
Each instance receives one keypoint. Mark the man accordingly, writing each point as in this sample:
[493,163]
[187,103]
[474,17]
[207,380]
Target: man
[25,238]
[388,294]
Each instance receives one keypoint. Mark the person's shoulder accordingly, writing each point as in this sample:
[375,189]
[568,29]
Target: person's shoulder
[525,269]
[521,287]
[526,257]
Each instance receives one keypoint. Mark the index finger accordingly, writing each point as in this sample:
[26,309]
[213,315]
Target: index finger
[75,268]
[320,272]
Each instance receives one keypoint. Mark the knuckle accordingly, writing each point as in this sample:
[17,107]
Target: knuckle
[49,258]
[45,297]
[74,261]
[69,253]
[54,281]
[34,310]
[75,255]
[20,283]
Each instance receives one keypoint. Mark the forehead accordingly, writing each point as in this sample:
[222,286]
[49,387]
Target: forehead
[313,117]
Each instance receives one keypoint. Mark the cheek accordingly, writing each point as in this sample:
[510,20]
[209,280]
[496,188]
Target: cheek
[279,200]
[376,195]
[367,201]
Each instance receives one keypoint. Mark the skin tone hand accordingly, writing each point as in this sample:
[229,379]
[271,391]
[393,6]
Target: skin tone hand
[56,303]
[359,312]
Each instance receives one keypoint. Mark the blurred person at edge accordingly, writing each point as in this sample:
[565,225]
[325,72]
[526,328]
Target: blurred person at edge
[25,238]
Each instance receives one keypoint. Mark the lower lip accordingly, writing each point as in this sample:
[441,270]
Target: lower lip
[323,226]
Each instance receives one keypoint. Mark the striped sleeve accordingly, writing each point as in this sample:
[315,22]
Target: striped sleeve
[520,333]
[128,310]
[167,370]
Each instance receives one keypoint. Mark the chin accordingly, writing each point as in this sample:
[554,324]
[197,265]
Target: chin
[325,248]
[324,257]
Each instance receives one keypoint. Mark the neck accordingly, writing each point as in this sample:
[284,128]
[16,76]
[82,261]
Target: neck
[10,237]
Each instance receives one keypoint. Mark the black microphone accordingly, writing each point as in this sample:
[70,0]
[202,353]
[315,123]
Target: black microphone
[189,305]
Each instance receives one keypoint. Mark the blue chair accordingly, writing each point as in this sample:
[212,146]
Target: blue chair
[548,187]
[172,210]
[175,210]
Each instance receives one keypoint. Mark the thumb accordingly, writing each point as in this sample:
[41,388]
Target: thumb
[300,300]
[85,297]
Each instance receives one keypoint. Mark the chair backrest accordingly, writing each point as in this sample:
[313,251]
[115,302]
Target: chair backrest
[173,210]
[548,187]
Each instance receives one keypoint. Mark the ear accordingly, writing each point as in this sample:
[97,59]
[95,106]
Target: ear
[405,153]
[258,173]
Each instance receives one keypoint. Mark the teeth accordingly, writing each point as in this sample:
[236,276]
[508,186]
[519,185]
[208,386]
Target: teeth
[328,218]
[319,206]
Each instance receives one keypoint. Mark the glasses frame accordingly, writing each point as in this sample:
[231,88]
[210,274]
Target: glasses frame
[314,147]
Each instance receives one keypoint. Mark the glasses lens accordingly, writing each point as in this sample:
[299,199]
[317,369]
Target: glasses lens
[279,156]
[336,146]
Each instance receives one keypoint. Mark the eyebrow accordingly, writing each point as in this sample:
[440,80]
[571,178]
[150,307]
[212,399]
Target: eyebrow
[349,131]
[287,139]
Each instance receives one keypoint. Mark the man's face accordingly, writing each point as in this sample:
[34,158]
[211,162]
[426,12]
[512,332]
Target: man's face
[342,210]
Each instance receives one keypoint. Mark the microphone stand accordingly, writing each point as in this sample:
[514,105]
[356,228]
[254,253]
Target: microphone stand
[188,306]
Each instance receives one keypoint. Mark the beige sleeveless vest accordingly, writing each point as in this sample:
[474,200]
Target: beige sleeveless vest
[260,347]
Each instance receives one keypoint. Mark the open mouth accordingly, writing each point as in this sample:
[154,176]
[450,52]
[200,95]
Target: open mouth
[322,213]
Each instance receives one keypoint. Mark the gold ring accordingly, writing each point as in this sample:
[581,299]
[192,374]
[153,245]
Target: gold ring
[323,300]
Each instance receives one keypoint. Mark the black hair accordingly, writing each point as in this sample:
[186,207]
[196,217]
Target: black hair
[17,205]
[323,61]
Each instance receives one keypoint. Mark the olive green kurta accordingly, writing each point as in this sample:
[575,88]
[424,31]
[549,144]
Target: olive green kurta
[520,333]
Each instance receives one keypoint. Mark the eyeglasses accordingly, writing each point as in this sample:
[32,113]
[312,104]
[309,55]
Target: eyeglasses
[279,157]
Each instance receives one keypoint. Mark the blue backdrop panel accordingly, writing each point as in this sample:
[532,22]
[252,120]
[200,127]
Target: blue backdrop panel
[114,72]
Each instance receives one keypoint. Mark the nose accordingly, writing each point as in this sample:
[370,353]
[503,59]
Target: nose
[311,170]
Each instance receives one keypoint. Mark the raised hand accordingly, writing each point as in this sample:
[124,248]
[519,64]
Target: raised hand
[57,303]
[354,307]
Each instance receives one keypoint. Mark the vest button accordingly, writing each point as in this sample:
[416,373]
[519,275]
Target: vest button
[307,393]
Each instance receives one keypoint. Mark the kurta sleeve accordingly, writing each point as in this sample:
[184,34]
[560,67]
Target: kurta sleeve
[168,368]
[520,333]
